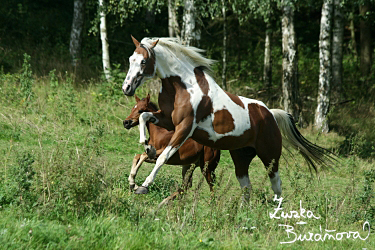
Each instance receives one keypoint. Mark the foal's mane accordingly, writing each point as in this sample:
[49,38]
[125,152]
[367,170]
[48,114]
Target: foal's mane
[174,45]
[153,106]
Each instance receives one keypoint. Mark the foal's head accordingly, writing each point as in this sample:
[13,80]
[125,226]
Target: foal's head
[141,106]
[142,64]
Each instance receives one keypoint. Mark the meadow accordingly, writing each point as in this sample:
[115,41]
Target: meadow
[65,158]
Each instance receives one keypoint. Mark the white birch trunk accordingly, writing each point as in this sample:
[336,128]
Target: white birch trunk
[290,63]
[76,32]
[325,76]
[224,75]
[170,19]
[105,45]
[190,32]
[337,42]
[267,70]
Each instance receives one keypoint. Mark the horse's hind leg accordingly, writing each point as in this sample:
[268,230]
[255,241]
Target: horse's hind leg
[242,158]
[269,152]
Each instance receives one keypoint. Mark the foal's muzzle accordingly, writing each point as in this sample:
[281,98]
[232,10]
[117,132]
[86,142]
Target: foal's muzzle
[128,124]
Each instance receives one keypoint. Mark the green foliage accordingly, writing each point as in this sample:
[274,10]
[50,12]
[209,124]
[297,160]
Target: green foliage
[53,82]
[16,182]
[112,90]
[26,81]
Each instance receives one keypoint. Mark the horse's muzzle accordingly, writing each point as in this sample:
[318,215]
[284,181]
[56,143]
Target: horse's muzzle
[128,90]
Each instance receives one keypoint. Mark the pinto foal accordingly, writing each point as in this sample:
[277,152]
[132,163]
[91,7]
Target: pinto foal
[194,106]
[189,153]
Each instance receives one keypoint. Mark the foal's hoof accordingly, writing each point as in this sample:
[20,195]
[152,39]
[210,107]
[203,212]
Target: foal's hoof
[141,190]
[151,152]
[133,187]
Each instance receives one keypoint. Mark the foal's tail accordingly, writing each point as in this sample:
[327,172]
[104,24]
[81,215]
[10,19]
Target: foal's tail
[313,154]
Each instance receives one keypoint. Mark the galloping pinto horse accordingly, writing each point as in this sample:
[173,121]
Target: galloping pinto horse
[189,153]
[194,106]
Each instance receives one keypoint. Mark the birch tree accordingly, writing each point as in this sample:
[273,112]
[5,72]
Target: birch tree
[170,19]
[325,67]
[173,26]
[337,41]
[191,34]
[290,84]
[224,73]
[75,45]
[267,70]
[103,37]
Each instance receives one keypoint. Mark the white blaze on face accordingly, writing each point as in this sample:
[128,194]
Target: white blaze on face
[134,68]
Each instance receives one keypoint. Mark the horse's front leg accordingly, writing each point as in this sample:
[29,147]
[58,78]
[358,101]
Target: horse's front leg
[182,132]
[157,118]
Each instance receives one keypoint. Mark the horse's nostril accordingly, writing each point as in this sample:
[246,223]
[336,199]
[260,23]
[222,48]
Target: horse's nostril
[127,88]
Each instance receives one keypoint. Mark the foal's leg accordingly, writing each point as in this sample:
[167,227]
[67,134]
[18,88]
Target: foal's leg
[242,158]
[183,131]
[208,165]
[187,180]
[137,162]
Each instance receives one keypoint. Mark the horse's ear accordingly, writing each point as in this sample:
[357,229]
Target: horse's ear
[148,97]
[137,98]
[154,44]
[135,41]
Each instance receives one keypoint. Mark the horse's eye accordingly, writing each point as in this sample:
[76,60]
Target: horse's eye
[143,62]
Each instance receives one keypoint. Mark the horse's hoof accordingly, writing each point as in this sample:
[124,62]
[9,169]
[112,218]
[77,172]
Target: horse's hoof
[151,152]
[141,190]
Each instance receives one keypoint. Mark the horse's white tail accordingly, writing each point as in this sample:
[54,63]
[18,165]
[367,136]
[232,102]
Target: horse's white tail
[313,154]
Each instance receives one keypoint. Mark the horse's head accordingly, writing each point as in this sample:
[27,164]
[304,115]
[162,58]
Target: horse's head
[142,64]
[142,105]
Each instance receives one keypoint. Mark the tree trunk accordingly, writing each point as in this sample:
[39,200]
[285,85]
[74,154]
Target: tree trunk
[337,41]
[170,19]
[353,43]
[365,40]
[190,32]
[224,75]
[325,67]
[76,33]
[103,37]
[267,70]
[290,63]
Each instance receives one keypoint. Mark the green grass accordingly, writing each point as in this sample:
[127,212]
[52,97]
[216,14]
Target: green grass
[65,159]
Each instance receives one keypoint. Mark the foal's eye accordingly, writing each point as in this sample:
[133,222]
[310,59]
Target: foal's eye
[143,62]
[141,111]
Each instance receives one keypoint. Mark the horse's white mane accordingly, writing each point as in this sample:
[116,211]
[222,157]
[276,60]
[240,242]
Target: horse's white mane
[174,45]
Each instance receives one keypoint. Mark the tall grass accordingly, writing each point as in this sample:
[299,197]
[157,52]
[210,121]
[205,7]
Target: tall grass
[64,168]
